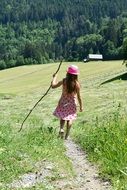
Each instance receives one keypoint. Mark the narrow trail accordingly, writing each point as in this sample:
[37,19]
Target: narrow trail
[86,177]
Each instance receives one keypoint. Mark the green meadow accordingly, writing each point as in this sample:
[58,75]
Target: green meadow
[100,129]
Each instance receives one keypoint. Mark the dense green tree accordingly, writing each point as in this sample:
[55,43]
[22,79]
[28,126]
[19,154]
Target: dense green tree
[39,31]
[2,64]
[125,48]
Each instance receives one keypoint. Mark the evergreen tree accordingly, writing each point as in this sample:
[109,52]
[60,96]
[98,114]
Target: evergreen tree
[39,31]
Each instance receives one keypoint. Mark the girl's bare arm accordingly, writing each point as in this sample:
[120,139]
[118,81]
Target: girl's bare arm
[79,99]
[55,83]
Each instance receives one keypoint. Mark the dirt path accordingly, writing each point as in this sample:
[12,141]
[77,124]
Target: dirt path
[86,174]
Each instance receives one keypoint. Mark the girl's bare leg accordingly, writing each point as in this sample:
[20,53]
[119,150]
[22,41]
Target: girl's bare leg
[61,132]
[69,124]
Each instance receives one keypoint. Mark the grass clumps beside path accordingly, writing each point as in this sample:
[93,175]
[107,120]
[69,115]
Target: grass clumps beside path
[20,153]
[106,143]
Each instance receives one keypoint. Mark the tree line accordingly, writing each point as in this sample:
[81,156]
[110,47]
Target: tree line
[41,31]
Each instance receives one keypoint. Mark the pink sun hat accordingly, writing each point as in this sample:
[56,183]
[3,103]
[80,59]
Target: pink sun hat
[73,69]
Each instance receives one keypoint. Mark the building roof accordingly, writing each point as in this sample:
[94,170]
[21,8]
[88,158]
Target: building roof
[95,56]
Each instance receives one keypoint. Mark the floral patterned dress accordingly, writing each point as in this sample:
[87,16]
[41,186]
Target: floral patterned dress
[67,106]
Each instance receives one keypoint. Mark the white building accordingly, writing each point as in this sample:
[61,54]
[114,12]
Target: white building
[94,57]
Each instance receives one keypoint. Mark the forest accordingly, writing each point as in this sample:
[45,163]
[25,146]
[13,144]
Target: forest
[43,31]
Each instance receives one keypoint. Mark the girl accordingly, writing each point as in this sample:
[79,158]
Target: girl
[67,105]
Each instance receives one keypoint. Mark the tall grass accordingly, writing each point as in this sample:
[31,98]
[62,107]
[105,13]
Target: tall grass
[19,152]
[106,144]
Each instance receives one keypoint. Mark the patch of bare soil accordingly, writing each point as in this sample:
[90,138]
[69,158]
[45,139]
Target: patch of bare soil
[44,170]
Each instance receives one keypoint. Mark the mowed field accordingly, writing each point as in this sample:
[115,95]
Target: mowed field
[25,79]
[22,87]
[32,82]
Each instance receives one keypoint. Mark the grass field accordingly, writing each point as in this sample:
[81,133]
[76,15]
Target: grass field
[104,110]
[25,79]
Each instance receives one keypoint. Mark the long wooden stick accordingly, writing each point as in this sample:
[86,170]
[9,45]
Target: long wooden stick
[39,99]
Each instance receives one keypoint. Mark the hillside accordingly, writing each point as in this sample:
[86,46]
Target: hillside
[35,158]
[38,77]
[44,31]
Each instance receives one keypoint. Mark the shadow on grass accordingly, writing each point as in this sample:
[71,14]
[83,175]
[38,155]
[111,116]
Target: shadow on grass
[122,76]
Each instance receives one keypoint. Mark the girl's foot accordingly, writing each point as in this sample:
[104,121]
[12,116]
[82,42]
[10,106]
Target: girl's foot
[61,133]
[66,137]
